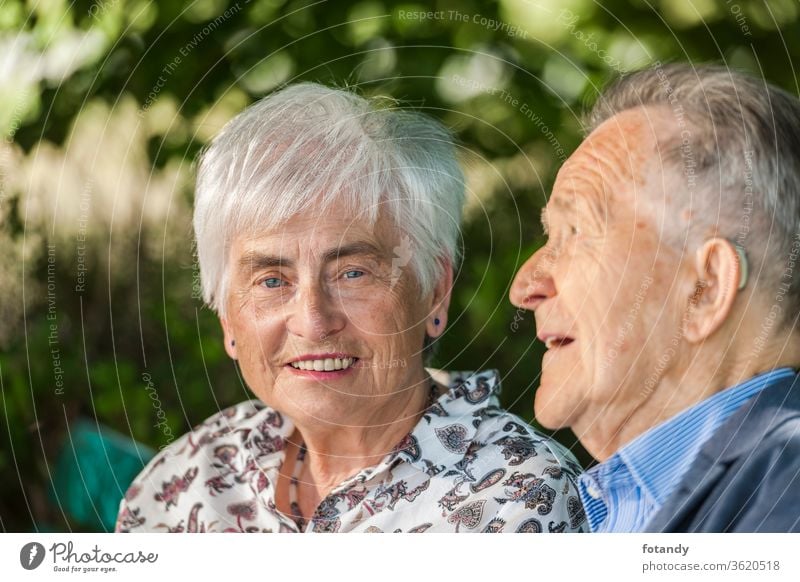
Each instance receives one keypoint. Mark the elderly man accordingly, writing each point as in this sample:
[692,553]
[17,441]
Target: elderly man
[668,298]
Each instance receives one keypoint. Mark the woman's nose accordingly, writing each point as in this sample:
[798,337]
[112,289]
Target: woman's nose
[314,314]
[533,283]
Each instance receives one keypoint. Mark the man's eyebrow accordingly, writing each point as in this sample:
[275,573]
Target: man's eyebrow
[352,249]
[563,203]
[570,206]
[563,206]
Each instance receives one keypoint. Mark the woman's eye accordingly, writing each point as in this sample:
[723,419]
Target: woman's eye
[353,274]
[272,282]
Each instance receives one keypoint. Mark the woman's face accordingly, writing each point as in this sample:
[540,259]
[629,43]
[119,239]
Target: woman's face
[325,319]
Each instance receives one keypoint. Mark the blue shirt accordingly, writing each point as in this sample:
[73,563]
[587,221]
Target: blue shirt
[624,492]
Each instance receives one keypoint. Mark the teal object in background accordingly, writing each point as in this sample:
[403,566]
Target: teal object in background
[94,468]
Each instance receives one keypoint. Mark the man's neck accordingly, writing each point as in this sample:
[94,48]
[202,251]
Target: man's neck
[692,380]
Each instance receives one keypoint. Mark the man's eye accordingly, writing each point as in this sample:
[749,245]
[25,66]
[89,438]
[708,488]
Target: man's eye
[353,274]
[574,230]
[272,282]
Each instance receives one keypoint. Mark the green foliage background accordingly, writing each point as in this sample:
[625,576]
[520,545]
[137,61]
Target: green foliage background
[510,77]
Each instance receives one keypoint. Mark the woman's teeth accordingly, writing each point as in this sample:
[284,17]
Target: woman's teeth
[326,365]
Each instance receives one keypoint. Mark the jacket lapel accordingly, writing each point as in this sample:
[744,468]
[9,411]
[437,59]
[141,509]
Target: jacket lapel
[685,501]
[738,436]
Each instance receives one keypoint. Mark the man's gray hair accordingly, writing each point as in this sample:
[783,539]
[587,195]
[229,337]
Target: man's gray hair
[737,142]
[310,147]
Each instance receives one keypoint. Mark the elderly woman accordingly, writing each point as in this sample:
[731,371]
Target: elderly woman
[327,230]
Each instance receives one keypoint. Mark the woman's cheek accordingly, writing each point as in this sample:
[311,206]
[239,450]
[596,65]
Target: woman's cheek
[268,305]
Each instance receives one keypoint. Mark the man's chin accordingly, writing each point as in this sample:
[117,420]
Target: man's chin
[547,411]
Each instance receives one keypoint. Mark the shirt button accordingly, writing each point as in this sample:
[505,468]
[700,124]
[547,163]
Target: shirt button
[591,487]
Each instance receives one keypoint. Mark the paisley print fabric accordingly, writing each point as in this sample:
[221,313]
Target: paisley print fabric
[468,466]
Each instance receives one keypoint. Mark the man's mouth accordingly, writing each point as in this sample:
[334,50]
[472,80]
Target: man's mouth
[556,341]
[323,364]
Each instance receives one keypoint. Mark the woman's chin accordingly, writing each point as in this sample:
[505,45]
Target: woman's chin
[321,413]
[306,400]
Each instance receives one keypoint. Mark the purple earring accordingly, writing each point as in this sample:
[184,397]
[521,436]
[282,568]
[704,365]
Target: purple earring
[436,322]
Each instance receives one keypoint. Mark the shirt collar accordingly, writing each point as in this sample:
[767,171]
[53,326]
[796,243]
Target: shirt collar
[448,426]
[445,430]
[659,458]
[649,468]
[266,441]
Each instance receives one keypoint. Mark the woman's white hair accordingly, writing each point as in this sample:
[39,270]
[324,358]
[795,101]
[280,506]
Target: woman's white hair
[309,146]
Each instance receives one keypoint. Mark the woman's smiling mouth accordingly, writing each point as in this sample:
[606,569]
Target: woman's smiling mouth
[324,363]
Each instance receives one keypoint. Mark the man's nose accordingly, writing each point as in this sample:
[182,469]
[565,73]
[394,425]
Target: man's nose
[533,283]
[315,315]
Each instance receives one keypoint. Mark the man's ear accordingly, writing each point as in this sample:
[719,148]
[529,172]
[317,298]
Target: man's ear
[717,271]
[440,302]
[228,338]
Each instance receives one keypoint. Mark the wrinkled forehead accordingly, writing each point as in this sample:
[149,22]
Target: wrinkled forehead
[614,162]
[313,233]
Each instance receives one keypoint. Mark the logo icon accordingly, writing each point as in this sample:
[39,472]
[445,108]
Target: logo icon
[402,256]
[31,555]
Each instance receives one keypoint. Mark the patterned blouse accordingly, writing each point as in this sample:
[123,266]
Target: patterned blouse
[468,466]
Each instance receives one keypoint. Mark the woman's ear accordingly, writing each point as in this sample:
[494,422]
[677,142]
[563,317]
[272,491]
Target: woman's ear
[717,270]
[228,338]
[440,301]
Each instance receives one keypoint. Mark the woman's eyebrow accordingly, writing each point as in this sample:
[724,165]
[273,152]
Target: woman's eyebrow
[255,260]
[351,249]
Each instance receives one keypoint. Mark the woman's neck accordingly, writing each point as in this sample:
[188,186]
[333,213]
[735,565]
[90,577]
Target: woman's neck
[336,453]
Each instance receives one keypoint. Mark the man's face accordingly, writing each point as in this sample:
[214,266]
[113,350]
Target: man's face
[326,328]
[600,287]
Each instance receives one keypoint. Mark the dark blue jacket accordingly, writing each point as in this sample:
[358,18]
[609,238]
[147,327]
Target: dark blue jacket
[747,476]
